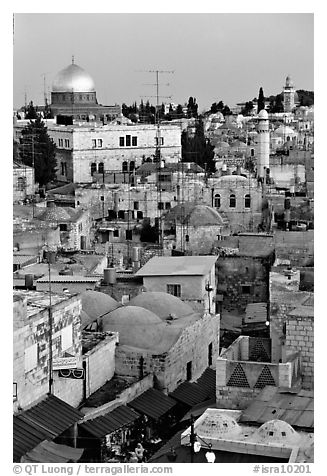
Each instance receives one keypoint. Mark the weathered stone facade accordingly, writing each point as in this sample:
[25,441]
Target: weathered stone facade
[31,346]
[170,368]
[300,338]
[242,280]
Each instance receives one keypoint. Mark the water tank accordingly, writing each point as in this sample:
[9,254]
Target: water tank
[29,281]
[109,276]
[135,253]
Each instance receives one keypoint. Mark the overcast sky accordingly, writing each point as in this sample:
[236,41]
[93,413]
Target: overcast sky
[216,56]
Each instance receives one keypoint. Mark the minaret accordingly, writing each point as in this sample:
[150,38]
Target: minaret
[289,95]
[263,144]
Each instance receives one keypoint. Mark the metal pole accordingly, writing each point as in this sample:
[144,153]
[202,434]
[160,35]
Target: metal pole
[50,332]
[192,439]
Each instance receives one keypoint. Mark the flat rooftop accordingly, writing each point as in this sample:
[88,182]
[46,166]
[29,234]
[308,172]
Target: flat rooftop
[38,301]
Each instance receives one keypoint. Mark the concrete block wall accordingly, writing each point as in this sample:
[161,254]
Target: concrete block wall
[300,337]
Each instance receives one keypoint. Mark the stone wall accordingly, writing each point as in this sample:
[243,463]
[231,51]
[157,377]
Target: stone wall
[169,368]
[198,240]
[32,330]
[300,337]
[100,364]
[242,280]
[296,246]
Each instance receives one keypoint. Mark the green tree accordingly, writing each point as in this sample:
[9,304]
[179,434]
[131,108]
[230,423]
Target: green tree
[198,149]
[38,149]
[261,101]
[192,108]
[276,103]
[31,112]
[247,109]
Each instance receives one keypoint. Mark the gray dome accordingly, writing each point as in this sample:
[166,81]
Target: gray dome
[277,431]
[96,304]
[137,326]
[162,304]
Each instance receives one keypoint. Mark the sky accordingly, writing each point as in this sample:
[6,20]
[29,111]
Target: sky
[214,56]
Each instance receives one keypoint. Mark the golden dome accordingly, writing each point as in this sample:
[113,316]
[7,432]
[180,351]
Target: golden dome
[73,79]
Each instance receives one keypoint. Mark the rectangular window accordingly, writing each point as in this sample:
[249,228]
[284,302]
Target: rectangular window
[189,370]
[162,140]
[63,227]
[67,337]
[99,142]
[167,205]
[31,357]
[129,234]
[116,233]
[246,289]
[121,141]
[174,289]
[63,168]
[160,206]
[94,143]
[128,141]
[60,142]
[66,143]
[136,205]
[134,141]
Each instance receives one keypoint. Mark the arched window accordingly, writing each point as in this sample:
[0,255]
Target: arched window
[131,166]
[232,201]
[93,168]
[101,168]
[125,167]
[247,201]
[187,238]
[217,200]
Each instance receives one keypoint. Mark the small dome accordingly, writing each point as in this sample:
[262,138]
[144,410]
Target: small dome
[218,425]
[96,304]
[73,79]
[288,81]
[194,215]
[283,130]
[162,304]
[277,431]
[137,326]
[55,214]
[263,114]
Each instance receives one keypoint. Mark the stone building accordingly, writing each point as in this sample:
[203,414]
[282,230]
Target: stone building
[191,278]
[74,225]
[242,269]
[73,94]
[239,199]
[291,320]
[23,181]
[31,345]
[193,228]
[93,352]
[175,345]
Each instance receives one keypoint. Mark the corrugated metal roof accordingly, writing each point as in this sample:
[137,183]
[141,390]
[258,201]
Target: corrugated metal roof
[177,266]
[294,408]
[27,435]
[208,382]
[53,414]
[106,424]
[152,403]
[49,452]
[190,393]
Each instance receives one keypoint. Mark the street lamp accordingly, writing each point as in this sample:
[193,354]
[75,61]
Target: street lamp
[196,445]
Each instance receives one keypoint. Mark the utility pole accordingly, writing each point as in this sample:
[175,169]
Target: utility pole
[50,329]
